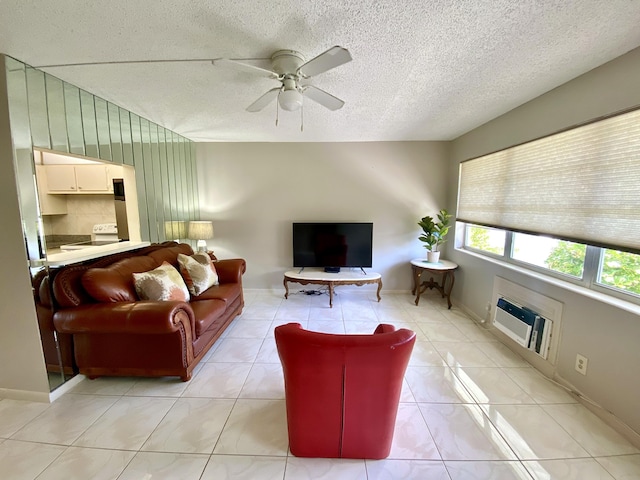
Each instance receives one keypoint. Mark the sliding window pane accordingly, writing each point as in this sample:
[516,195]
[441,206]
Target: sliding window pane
[550,253]
[620,270]
[485,239]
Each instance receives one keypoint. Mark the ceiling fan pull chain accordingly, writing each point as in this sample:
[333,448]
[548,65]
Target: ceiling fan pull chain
[277,110]
[302,118]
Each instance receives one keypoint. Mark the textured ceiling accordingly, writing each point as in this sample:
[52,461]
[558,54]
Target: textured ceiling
[421,70]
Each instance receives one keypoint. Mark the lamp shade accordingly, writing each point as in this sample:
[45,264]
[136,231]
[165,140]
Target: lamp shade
[175,229]
[201,230]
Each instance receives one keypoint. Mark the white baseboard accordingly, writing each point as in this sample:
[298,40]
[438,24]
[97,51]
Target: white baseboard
[42,397]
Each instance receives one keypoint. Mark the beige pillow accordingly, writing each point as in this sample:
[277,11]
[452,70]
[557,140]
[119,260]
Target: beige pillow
[162,283]
[198,272]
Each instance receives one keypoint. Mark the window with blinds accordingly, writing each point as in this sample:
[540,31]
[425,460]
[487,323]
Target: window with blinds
[581,185]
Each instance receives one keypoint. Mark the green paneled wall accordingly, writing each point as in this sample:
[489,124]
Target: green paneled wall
[51,114]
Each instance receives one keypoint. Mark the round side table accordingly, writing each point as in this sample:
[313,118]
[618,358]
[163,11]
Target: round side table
[443,267]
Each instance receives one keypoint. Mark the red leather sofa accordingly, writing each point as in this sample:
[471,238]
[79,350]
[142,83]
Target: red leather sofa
[120,335]
[342,391]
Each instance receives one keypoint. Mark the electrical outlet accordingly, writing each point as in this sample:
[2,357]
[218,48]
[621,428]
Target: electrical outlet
[581,364]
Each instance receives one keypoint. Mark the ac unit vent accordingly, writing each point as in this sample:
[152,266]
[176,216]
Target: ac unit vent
[523,325]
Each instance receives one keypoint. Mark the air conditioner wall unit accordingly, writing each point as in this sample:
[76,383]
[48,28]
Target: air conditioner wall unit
[523,325]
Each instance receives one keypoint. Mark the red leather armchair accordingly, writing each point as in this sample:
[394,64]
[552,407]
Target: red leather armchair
[342,391]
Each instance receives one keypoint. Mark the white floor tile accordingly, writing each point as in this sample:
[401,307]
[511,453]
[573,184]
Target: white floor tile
[66,419]
[463,354]
[624,467]
[255,427]
[78,463]
[532,433]
[244,328]
[491,385]
[127,424]
[192,425]
[324,469]
[236,350]
[567,469]
[218,380]
[595,436]
[538,387]
[411,437]
[445,332]
[265,380]
[436,385]
[165,466]
[105,386]
[463,432]
[487,470]
[244,467]
[406,470]
[14,414]
[25,460]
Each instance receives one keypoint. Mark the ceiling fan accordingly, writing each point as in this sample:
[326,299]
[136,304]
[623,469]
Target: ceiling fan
[293,72]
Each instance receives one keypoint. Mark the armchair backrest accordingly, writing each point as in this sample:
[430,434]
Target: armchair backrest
[342,391]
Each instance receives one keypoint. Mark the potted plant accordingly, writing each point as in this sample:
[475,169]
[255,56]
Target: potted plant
[434,234]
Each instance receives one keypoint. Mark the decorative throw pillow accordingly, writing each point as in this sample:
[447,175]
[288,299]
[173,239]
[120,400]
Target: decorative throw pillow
[198,272]
[162,283]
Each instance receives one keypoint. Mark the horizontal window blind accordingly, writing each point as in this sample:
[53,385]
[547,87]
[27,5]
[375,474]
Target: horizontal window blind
[581,185]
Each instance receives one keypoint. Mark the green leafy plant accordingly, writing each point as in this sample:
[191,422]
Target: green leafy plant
[434,233]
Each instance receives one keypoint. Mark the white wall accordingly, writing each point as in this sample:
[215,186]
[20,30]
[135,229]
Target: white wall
[254,191]
[605,334]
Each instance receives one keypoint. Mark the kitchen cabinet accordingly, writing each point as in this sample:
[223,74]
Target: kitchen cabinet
[81,179]
[49,204]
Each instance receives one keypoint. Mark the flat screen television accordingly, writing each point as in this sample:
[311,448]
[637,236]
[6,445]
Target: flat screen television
[332,245]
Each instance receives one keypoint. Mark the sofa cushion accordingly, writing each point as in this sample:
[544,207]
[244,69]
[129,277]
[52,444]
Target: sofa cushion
[198,272]
[115,282]
[162,283]
[170,254]
[206,313]
[227,292]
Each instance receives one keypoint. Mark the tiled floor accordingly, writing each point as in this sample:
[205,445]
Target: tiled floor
[470,409]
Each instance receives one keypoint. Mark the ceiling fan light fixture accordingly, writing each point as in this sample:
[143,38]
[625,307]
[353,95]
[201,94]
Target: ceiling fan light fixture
[290,100]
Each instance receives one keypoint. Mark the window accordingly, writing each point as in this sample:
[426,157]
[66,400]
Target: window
[612,272]
[579,185]
[620,270]
[489,240]
[566,204]
[557,255]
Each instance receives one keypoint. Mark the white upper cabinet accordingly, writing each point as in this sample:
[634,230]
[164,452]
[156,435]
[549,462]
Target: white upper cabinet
[81,179]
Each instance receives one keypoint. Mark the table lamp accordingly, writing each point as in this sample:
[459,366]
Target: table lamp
[175,229]
[201,231]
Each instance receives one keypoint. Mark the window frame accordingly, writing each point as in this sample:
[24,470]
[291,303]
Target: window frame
[592,264]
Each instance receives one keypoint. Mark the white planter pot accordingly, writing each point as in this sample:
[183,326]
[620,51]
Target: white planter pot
[433,257]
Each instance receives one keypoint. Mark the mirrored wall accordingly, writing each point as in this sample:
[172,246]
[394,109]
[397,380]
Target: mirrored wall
[50,114]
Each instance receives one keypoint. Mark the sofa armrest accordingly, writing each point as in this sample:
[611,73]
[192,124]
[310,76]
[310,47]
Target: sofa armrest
[142,317]
[230,270]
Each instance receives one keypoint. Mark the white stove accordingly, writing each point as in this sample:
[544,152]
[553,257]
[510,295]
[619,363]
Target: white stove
[101,234]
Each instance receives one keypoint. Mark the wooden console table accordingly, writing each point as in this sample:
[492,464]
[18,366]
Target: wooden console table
[443,267]
[319,277]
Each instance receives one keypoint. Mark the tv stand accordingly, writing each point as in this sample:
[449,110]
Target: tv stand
[319,277]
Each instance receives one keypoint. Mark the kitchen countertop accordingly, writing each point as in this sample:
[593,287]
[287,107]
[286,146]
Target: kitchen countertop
[75,256]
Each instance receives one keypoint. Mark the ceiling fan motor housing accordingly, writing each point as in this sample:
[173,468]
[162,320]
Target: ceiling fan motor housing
[286,61]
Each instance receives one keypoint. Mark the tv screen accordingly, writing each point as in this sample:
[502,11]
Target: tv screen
[332,245]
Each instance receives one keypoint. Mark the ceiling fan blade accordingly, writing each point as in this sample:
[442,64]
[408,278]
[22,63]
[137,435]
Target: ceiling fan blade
[245,67]
[264,100]
[332,58]
[323,98]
